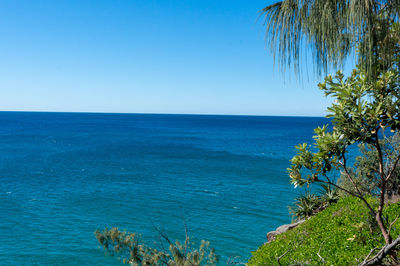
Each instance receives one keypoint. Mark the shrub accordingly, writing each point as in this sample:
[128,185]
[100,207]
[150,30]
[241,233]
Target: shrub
[309,204]
[132,251]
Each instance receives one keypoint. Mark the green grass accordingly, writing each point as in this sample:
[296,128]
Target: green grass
[342,234]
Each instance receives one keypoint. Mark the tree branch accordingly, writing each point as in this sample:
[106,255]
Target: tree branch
[278,259]
[380,155]
[323,261]
[344,164]
[382,186]
[369,254]
[351,193]
[392,223]
[393,168]
[162,234]
[387,249]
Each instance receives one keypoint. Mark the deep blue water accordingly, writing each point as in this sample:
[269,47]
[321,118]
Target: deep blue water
[64,175]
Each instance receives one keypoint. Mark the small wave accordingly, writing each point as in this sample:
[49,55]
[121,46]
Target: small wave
[211,192]
[215,193]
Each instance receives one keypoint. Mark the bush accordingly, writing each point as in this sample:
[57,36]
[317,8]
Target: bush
[128,247]
[309,204]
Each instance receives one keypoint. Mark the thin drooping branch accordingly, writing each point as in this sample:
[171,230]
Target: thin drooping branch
[373,213]
[393,168]
[392,223]
[323,261]
[331,31]
[369,254]
[162,234]
[339,187]
[344,164]
[386,250]
[278,259]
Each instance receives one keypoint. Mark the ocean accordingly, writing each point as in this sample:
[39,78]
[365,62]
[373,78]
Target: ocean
[64,175]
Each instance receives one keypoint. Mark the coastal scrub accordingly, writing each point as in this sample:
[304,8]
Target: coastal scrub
[343,234]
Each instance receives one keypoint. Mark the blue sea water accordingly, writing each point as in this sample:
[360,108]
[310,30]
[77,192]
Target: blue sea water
[64,175]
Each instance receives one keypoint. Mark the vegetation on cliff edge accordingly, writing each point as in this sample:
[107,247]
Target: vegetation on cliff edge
[342,234]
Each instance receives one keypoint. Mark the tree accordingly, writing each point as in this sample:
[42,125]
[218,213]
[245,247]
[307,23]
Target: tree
[134,252]
[364,110]
[367,103]
[334,29]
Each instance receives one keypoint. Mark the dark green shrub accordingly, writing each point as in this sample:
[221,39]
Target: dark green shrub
[309,204]
[305,206]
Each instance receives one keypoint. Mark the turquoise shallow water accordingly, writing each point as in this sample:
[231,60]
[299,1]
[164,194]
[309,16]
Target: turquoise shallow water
[64,175]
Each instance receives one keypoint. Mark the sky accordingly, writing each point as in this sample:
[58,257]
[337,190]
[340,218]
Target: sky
[145,56]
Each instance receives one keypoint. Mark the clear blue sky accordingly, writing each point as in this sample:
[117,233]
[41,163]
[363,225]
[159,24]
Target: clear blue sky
[144,56]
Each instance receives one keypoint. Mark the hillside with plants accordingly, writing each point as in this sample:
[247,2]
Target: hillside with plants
[342,234]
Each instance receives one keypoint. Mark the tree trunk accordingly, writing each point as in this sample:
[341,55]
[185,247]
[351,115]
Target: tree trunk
[382,227]
[378,217]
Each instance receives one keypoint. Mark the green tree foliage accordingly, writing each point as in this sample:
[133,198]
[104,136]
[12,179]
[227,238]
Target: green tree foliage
[332,30]
[132,251]
[366,168]
[362,112]
[342,234]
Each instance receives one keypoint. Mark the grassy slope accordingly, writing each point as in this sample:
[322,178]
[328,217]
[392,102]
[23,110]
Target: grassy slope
[343,234]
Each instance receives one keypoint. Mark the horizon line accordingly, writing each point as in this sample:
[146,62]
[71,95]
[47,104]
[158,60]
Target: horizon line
[150,113]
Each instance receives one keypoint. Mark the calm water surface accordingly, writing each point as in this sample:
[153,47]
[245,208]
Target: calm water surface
[64,175]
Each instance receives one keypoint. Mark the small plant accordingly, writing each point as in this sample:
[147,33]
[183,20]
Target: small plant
[305,205]
[309,204]
[328,194]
